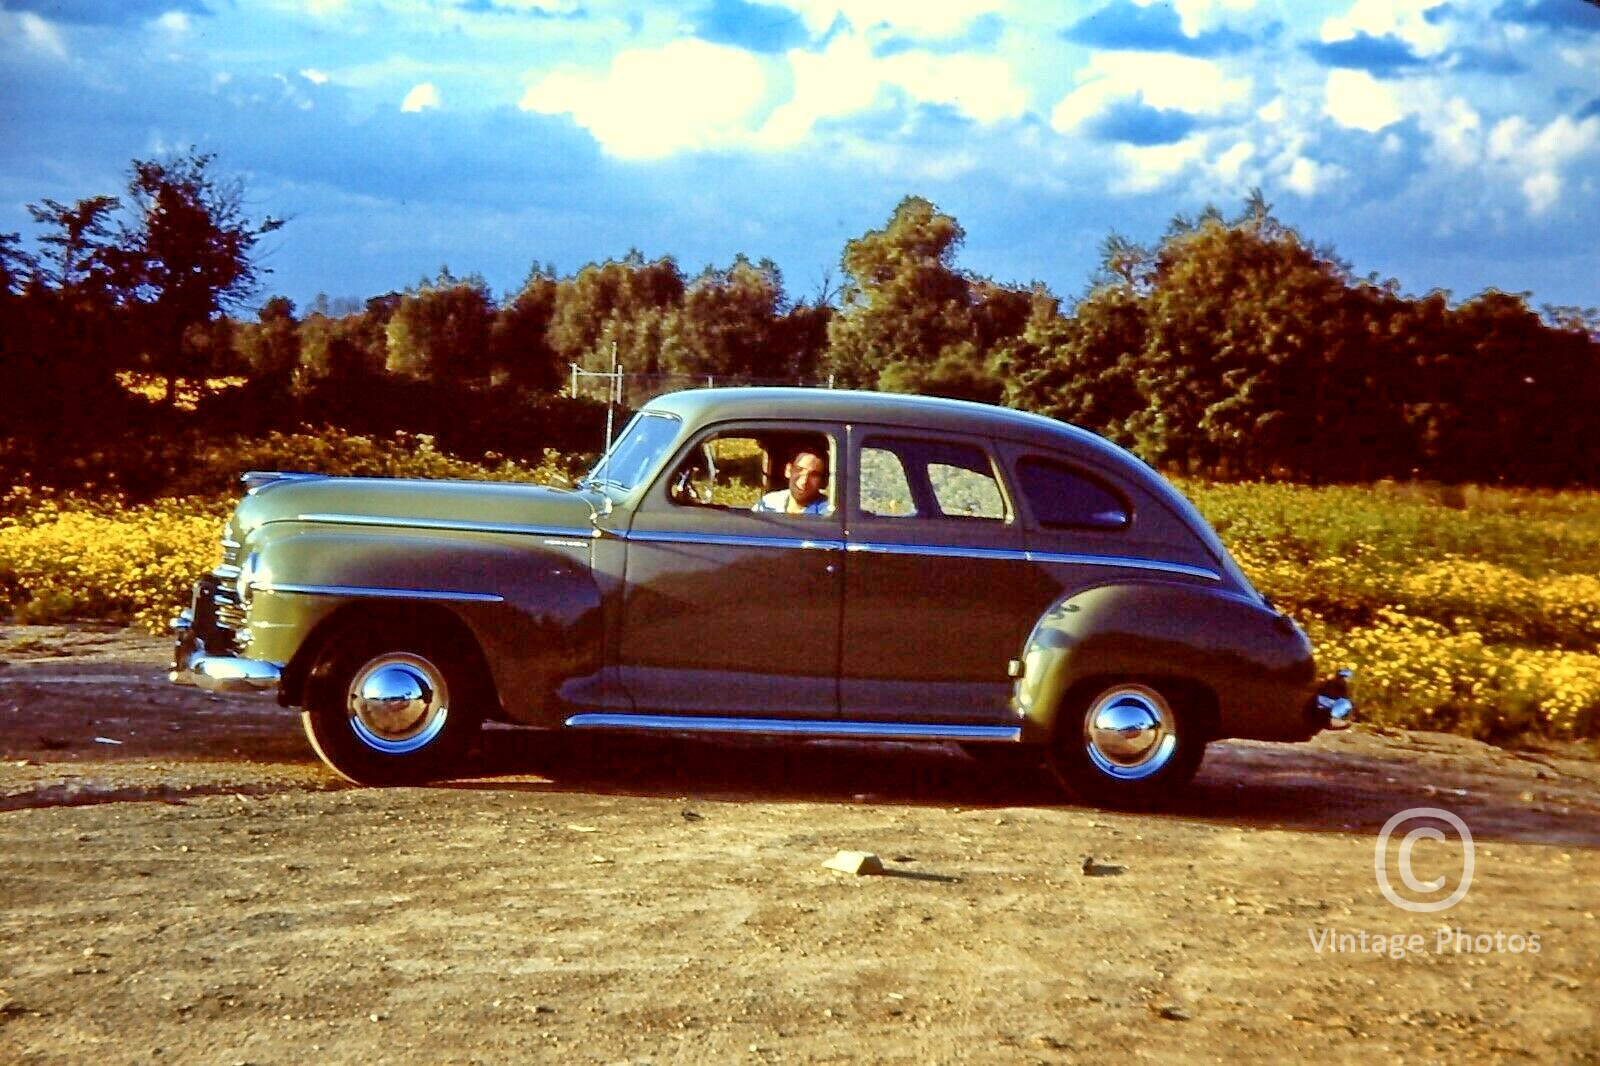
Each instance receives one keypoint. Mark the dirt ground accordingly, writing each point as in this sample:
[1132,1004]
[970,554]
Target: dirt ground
[183,882]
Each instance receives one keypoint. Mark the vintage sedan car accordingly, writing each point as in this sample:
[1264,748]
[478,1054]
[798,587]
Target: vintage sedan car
[968,574]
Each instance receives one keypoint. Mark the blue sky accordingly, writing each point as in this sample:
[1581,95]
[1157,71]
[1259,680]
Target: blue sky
[1451,145]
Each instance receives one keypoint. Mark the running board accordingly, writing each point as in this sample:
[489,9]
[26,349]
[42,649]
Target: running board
[781,727]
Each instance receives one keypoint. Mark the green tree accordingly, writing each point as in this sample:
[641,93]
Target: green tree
[1510,395]
[440,331]
[727,320]
[519,336]
[185,256]
[71,333]
[270,347]
[596,307]
[798,341]
[1249,333]
[1083,369]
[904,301]
[351,348]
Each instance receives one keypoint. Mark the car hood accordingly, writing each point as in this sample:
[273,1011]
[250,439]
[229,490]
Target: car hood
[424,503]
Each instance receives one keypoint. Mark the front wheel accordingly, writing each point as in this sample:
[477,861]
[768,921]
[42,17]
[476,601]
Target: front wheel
[1126,745]
[391,711]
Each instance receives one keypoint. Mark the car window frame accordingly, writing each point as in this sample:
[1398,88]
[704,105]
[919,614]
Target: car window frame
[1079,469]
[658,497]
[861,437]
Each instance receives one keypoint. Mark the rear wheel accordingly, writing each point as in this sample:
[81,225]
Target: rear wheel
[385,710]
[1127,744]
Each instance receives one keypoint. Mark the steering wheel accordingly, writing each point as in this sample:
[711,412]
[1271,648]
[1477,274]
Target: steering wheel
[686,490]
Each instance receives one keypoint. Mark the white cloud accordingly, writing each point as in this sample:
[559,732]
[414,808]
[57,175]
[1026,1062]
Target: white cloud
[549,7]
[1543,191]
[1308,177]
[1584,58]
[907,162]
[1197,16]
[1230,164]
[1405,19]
[980,87]
[421,98]
[40,35]
[691,94]
[1149,169]
[939,18]
[174,22]
[840,80]
[1168,83]
[1356,99]
[1457,131]
[653,102]
[1539,155]
[314,76]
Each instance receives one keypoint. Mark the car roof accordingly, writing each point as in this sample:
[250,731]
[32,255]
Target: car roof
[701,406]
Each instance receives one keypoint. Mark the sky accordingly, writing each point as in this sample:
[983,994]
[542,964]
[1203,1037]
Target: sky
[1446,145]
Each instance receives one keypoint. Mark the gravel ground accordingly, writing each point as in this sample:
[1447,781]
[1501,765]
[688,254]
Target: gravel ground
[183,882]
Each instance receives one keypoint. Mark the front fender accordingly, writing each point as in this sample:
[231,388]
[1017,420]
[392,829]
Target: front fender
[1248,669]
[530,602]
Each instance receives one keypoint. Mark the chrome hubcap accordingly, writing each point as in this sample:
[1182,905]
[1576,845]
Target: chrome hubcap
[398,703]
[1130,732]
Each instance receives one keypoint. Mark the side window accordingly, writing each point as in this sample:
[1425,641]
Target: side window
[904,478]
[1063,498]
[749,469]
[885,492]
[967,491]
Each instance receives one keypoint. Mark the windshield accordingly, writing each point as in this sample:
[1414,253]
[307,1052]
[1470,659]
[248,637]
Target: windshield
[635,453]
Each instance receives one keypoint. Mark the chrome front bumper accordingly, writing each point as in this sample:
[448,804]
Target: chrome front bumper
[193,665]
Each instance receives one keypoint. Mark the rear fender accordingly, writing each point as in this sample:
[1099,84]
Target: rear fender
[1243,669]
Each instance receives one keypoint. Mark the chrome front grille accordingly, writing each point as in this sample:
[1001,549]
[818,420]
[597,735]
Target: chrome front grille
[230,612]
[232,552]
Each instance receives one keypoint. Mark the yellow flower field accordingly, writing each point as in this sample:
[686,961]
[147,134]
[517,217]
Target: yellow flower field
[1476,611]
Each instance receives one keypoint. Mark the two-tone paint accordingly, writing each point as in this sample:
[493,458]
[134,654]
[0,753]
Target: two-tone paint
[612,606]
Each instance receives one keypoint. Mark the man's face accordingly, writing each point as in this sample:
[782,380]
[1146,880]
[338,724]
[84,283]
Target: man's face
[806,474]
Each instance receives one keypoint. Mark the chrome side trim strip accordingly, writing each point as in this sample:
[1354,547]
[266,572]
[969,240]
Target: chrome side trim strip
[1015,555]
[382,593]
[1126,562]
[945,550]
[734,540]
[391,522]
[676,723]
[942,550]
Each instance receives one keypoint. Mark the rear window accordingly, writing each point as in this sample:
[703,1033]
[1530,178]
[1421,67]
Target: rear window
[1064,498]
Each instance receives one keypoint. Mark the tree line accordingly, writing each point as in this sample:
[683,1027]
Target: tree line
[1230,347]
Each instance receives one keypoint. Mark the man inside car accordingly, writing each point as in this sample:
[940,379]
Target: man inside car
[807,474]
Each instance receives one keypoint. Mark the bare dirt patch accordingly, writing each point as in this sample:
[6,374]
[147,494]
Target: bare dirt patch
[183,882]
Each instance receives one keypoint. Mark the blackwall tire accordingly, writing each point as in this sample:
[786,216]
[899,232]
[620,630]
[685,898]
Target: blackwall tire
[392,711]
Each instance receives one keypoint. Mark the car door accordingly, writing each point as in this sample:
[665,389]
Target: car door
[727,611]
[937,595]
